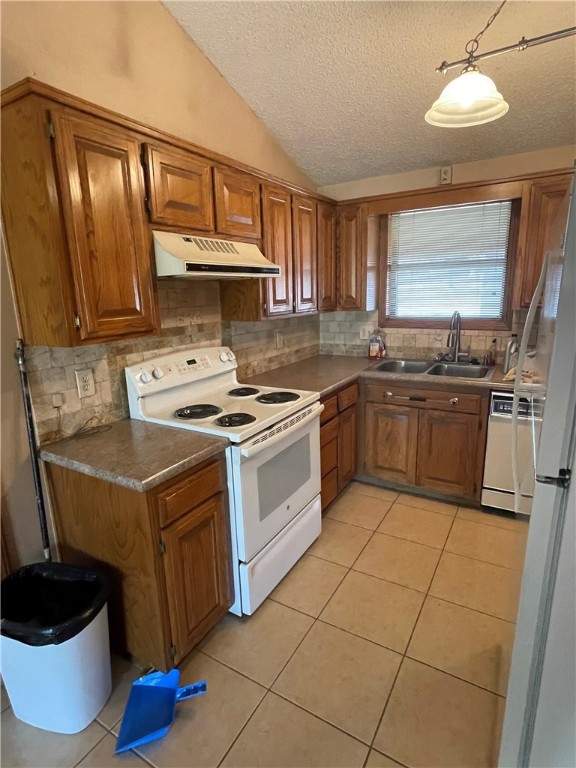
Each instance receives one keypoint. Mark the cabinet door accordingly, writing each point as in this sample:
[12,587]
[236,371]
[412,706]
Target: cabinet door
[304,250]
[326,257]
[197,566]
[329,461]
[346,447]
[447,452]
[545,204]
[391,442]
[277,230]
[237,203]
[108,239]
[351,270]
[180,189]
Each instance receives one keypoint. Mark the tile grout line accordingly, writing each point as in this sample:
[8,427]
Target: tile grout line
[408,643]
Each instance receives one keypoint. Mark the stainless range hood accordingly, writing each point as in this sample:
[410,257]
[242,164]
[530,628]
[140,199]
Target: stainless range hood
[180,255]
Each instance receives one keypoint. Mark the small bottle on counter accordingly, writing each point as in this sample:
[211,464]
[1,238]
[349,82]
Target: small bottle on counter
[383,350]
[492,353]
[511,353]
[374,345]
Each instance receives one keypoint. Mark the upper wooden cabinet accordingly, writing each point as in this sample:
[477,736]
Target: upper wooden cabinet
[352,257]
[179,188]
[277,226]
[545,200]
[327,298]
[304,249]
[78,242]
[237,203]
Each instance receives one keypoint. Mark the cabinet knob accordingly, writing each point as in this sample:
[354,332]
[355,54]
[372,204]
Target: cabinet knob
[388,394]
[453,401]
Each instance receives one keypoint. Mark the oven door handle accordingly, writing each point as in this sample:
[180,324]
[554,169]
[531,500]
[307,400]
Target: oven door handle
[252,450]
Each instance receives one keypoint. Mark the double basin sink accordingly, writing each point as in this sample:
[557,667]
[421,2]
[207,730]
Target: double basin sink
[431,368]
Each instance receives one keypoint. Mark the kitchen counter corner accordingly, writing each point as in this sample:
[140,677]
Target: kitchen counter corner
[132,453]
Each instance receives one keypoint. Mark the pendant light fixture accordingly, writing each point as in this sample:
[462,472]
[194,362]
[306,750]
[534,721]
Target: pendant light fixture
[473,98]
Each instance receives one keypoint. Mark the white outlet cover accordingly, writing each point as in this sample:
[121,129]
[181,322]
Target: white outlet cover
[85,382]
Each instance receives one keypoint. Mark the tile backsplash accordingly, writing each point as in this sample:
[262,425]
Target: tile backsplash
[191,318]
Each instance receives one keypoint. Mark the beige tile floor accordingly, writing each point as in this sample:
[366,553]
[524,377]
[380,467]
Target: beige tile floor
[388,645]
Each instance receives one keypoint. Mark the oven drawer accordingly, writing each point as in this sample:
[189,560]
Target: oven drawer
[189,493]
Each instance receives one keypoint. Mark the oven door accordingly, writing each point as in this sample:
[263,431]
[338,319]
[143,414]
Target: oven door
[275,476]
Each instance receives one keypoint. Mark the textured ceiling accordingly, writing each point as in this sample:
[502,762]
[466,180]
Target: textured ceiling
[344,85]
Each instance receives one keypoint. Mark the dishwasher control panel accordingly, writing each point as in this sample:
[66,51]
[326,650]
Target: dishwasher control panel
[501,405]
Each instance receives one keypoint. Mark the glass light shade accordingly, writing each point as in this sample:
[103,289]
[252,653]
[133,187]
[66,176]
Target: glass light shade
[470,99]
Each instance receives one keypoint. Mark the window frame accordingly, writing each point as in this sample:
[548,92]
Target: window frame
[512,191]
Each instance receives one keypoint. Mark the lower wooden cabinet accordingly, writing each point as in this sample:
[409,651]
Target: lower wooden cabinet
[166,553]
[425,438]
[338,453]
[391,439]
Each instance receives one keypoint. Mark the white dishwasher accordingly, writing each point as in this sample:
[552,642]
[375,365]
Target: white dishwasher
[498,485]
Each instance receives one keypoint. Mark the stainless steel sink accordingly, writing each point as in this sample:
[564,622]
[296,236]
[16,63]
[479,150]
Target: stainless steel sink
[461,371]
[404,366]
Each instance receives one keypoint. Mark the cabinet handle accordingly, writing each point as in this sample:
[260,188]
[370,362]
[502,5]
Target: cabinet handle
[453,401]
[388,394]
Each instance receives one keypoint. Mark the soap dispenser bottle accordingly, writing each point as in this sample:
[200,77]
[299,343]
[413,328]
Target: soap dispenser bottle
[492,353]
[374,345]
[511,353]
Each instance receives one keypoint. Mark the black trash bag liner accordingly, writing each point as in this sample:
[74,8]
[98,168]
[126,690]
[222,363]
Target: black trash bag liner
[49,603]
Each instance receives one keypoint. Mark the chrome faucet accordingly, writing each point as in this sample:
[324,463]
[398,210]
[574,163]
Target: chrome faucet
[453,341]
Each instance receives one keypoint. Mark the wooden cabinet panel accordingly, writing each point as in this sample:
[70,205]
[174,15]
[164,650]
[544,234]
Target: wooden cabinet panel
[197,568]
[447,447]
[391,434]
[329,488]
[108,241]
[351,272]
[277,231]
[546,199]
[347,397]
[346,447]
[179,188]
[330,408]
[327,273]
[329,454]
[181,497]
[424,398]
[237,203]
[304,250]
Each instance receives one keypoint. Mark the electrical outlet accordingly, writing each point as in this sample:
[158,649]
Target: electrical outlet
[279,340]
[364,334]
[85,382]
[446,174]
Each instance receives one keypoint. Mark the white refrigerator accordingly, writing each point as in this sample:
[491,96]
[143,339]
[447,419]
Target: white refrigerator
[540,718]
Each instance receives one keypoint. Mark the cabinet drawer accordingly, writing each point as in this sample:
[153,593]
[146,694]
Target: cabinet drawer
[330,409]
[440,400]
[329,488]
[347,397]
[329,457]
[328,432]
[184,496]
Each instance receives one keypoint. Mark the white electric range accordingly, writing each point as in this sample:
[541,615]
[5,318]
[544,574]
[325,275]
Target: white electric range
[273,462]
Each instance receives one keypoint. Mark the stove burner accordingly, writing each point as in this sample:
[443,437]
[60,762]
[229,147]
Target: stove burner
[199,411]
[235,420]
[243,392]
[273,398]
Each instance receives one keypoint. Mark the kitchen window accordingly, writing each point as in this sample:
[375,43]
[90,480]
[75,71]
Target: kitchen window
[447,258]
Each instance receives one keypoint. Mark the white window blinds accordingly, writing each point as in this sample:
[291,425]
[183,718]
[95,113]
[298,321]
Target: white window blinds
[446,259]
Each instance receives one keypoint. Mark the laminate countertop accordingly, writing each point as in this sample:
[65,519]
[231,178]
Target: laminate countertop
[327,373]
[132,453]
[322,373]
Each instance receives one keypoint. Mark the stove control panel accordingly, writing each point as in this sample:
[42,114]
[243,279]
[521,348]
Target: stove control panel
[189,366]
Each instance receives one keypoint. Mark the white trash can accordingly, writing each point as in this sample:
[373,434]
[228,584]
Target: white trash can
[55,645]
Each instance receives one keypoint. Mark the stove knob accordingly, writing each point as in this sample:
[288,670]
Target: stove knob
[224,357]
[157,373]
[231,356]
[145,377]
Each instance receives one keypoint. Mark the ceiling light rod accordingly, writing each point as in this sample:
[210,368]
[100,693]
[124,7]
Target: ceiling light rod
[521,45]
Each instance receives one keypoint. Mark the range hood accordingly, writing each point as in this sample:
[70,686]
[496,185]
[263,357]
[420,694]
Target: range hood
[180,255]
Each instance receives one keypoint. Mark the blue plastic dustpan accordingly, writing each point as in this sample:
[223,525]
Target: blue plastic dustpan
[151,706]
